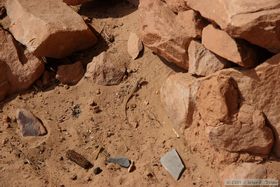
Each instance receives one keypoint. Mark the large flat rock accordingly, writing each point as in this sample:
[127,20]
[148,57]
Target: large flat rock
[48,28]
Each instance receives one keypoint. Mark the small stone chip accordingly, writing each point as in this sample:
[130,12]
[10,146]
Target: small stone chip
[29,124]
[97,170]
[122,161]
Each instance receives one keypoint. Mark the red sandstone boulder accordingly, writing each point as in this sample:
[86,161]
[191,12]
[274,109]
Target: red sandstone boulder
[258,88]
[178,97]
[251,135]
[106,69]
[166,33]
[18,69]
[254,21]
[217,99]
[48,28]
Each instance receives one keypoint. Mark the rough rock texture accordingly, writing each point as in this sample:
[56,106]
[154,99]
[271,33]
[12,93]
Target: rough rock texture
[29,124]
[258,89]
[222,44]
[243,171]
[178,95]
[48,28]
[254,21]
[203,62]
[218,99]
[74,2]
[134,45]
[232,128]
[246,135]
[71,73]
[106,70]
[166,33]
[18,70]
[177,5]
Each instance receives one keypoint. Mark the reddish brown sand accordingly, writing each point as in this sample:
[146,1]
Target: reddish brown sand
[41,161]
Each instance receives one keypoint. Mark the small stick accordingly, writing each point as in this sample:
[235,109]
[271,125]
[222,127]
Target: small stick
[177,135]
[78,159]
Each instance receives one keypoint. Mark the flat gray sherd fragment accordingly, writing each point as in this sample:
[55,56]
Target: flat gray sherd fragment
[122,161]
[172,162]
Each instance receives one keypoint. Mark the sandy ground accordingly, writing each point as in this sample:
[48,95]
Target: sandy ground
[41,161]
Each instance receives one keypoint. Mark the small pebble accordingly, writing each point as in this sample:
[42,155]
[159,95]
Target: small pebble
[97,170]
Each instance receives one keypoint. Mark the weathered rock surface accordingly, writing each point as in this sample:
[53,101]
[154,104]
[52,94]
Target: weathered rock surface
[106,69]
[48,28]
[18,69]
[254,21]
[245,134]
[258,89]
[203,62]
[177,5]
[74,2]
[134,45]
[70,73]
[222,44]
[166,33]
[29,124]
[243,171]
[218,99]
[178,97]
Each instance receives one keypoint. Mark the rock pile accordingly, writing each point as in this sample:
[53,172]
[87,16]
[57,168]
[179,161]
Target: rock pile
[49,29]
[228,101]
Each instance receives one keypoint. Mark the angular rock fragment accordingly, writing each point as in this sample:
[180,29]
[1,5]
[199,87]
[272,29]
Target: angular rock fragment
[106,69]
[172,162]
[134,45]
[122,161]
[203,62]
[70,73]
[168,34]
[29,124]
[18,69]
[48,28]
[220,43]
[178,98]
[254,21]
[78,159]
